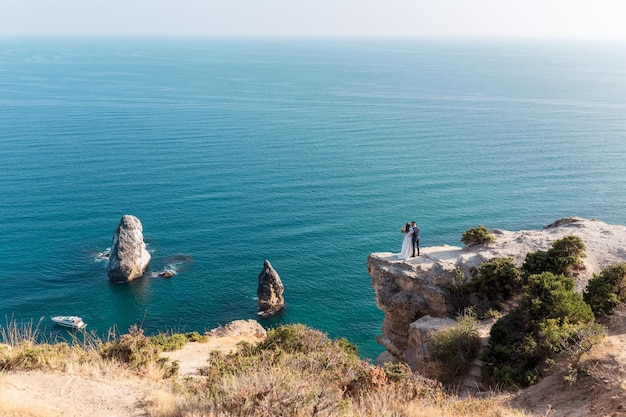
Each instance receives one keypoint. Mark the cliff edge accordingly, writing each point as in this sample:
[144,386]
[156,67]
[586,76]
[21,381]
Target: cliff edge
[407,290]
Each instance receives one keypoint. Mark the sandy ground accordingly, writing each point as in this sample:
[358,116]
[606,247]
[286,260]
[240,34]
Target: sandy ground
[51,394]
[193,356]
[73,394]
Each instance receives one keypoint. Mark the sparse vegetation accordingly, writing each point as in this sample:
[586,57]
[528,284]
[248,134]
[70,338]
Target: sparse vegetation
[546,318]
[455,348]
[493,288]
[141,352]
[550,319]
[20,349]
[564,257]
[296,371]
[477,235]
[133,349]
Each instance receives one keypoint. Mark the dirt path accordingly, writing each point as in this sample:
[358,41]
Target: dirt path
[44,394]
[95,393]
[194,355]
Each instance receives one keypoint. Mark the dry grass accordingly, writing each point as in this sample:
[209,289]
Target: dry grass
[296,371]
[300,372]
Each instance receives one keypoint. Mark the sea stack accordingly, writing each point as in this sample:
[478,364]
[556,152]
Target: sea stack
[270,291]
[129,258]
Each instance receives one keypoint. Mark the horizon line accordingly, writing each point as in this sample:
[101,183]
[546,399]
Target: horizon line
[318,36]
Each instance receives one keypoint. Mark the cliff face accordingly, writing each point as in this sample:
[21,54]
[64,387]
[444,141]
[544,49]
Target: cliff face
[407,290]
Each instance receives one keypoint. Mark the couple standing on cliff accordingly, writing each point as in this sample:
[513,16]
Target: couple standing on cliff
[411,242]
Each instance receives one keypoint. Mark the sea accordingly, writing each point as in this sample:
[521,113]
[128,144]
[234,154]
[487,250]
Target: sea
[307,152]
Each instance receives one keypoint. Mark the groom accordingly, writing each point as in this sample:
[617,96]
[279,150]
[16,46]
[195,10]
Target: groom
[415,238]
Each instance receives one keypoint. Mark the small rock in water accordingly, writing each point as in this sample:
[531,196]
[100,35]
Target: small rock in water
[168,273]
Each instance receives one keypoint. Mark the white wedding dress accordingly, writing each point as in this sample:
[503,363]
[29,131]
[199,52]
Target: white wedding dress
[407,247]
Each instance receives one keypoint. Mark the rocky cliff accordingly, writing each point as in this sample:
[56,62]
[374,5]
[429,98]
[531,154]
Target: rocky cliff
[407,290]
[270,291]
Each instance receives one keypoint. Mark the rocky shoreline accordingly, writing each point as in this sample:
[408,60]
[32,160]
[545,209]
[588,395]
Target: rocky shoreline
[407,290]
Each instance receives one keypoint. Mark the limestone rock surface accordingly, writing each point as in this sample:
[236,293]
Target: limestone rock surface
[129,258]
[418,356]
[239,328]
[270,291]
[407,290]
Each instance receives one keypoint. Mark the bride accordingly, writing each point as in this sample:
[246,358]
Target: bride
[407,244]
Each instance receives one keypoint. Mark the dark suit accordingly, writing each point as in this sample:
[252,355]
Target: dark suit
[415,239]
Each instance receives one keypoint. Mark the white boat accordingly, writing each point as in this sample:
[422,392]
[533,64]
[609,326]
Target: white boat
[74,322]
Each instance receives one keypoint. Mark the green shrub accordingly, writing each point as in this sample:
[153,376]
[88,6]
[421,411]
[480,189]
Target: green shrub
[536,263]
[476,236]
[397,372]
[459,291]
[139,350]
[298,338]
[571,340]
[455,348]
[550,319]
[567,254]
[564,257]
[29,355]
[498,279]
[607,290]
[293,338]
[510,357]
[196,337]
[550,296]
[167,343]
[346,346]
[492,314]
[133,348]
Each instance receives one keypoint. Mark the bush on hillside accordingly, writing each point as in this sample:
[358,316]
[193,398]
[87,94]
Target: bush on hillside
[298,338]
[133,348]
[550,296]
[455,348]
[164,342]
[607,290]
[477,235]
[196,337]
[296,371]
[550,319]
[498,280]
[564,257]
[28,356]
[567,254]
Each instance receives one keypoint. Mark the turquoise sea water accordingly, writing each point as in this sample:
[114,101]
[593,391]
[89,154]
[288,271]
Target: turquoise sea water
[309,153]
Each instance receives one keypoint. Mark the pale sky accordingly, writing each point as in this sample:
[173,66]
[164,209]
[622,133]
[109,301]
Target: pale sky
[415,18]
